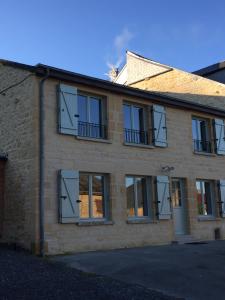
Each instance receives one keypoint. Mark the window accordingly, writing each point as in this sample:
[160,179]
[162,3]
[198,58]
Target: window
[92,195]
[136,191]
[204,197]
[201,135]
[90,110]
[134,124]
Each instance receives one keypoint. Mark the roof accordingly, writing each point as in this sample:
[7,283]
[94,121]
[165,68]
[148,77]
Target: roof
[155,97]
[210,69]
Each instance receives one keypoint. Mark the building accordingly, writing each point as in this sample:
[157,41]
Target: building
[94,164]
[215,72]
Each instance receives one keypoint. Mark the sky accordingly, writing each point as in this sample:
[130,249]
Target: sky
[88,36]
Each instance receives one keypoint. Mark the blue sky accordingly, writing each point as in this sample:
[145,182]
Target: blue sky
[86,36]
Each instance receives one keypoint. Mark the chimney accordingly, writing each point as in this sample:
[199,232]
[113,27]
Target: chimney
[113,73]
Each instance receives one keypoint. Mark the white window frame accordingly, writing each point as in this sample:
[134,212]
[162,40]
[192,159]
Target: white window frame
[105,196]
[147,195]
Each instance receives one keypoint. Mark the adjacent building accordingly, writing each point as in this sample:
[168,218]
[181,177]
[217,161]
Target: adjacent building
[94,164]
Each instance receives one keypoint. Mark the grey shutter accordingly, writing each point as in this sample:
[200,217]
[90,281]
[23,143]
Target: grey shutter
[68,196]
[159,126]
[220,136]
[163,197]
[68,109]
[222,196]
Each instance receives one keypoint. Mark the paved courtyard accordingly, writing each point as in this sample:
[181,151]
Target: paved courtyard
[192,271]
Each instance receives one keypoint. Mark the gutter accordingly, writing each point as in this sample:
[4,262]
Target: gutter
[41,164]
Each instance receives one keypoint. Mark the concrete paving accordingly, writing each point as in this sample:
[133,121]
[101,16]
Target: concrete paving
[192,271]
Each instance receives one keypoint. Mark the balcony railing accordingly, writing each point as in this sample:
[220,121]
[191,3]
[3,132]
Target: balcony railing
[136,136]
[92,130]
[202,146]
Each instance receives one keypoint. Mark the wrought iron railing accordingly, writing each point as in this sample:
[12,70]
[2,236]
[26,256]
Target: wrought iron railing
[136,136]
[202,146]
[92,130]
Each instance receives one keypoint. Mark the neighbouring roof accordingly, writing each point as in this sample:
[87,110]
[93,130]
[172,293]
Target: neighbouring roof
[41,70]
[210,69]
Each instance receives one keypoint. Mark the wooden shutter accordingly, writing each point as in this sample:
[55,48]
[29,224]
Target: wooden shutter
[222,196]
[220,136]
[163,197]
[68,109]
[159,126]
[68,196]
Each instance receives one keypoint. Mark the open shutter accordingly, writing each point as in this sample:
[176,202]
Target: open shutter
[68,196]
[68,109]
[163,197]
[220,136]
[222,197]
[159,126]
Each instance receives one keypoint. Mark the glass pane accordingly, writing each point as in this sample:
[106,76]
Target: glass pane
[207,199]
[127,116]
[95,110]
[95,118]
[97,196]
[82,108]
[141,197]
[176,193]
[199,197]
[130,196]
[194,130]
[137,118]
[84,198]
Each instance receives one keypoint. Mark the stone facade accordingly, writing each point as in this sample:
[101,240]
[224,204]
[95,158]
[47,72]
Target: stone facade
[19,138]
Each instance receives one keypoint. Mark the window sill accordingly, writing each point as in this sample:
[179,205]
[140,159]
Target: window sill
[204,153]
[83,138]
[94,222]
[139,145]
[140,221]
[208,218]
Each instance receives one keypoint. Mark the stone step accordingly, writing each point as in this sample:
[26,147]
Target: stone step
[184,239]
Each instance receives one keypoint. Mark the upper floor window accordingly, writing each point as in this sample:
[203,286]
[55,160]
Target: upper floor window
[201,135]
[204,197]
[135,124]
[91,117]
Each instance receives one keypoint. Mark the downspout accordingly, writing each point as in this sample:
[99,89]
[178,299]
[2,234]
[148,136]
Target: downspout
[41,164]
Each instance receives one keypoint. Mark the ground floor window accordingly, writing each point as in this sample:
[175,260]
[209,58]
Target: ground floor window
[136,192]
[204,197]
[92,195]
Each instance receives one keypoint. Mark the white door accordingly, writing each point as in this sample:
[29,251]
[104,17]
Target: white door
[179,207]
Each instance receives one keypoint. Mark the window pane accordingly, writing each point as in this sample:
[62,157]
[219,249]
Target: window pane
[97,196]
[130,196]
[137,118]
[127,116]
[199,197]
[176,193]
[207,199]
[82,108]
[84,204]
[141,197]
[194,129]
[95,110]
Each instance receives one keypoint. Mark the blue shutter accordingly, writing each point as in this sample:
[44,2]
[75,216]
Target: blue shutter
[220,136]
[159,124]
[68,109]
[163,197]
[68,196]
[222,196]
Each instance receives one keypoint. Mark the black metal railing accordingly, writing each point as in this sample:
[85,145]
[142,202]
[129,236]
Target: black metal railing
[136,136]
[92,130]
[202,146]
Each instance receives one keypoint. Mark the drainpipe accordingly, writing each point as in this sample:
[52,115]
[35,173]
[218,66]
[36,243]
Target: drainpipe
[41,163]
